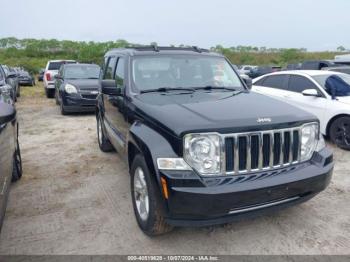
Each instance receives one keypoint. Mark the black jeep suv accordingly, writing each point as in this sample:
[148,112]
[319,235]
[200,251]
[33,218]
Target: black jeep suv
[201,148]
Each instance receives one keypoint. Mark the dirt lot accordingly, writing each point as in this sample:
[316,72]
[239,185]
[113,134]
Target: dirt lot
[74,199]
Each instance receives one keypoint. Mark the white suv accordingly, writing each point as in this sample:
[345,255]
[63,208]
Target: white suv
[306,89]
[51,70]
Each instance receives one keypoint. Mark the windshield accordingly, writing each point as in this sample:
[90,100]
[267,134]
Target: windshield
[321,79]
[183,71]
[57,65]
[82,72]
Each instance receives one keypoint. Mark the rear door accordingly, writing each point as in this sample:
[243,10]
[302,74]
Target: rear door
[272,85]
[315,105]
[7,148]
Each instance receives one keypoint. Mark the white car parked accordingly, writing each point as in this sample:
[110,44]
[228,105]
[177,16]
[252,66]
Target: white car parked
[306,89]
[51,70]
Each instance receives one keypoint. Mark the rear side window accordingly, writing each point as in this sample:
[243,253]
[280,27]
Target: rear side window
[110,68]
[299,83]
[276,81]
[2,74]
[119,73]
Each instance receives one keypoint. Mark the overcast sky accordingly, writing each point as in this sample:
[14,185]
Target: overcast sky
[316,25]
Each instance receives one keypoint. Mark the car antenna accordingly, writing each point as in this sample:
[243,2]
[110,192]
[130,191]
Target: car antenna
[195,48]
[155,47]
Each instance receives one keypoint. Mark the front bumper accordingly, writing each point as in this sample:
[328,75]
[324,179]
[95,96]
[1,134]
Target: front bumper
[76,103]
[195,201]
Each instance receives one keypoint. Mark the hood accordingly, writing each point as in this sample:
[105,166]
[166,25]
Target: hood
[218,112]
[84,84]
[344,99]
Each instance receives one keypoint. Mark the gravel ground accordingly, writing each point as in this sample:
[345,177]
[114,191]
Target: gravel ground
[74,199]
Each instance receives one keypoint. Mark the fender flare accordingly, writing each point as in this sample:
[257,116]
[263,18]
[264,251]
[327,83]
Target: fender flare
[151,144]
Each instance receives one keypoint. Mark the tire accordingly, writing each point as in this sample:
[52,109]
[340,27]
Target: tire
[18,91]
[339,132]
[63,111]
[56,98]
[103,142]
[17,165]
[49,93]
[144,190]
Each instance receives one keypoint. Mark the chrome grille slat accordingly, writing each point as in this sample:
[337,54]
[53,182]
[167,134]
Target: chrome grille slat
[245,150]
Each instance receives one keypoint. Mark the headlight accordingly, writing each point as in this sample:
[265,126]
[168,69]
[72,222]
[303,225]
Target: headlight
[203,153]
[309,139]
[70,89]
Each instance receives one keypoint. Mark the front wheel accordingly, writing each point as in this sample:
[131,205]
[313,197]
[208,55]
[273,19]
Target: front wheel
[340,132]
[145,200]
[17,165]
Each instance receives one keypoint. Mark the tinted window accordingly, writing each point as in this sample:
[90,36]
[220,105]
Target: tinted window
[276,81]
[57,65]
[299,84]
[183,71]
[109,73]
[2,74]
[119,73]
[82,72]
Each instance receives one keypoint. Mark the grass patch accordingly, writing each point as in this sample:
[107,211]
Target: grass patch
[33,91]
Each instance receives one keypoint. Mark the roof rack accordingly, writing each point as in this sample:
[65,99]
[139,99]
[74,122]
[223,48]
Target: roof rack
[156,48]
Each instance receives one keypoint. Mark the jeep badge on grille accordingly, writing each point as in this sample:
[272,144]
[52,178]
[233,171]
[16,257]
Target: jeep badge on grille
[264,120]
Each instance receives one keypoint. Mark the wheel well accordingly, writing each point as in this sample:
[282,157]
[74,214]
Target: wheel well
[330,122]
[132,152]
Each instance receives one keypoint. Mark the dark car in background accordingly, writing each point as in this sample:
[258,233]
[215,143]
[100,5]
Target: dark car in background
[11,79]
[10,155]
[77,87]
[263,70]
[25,78]
[200,147]
[316,64]
[41,74]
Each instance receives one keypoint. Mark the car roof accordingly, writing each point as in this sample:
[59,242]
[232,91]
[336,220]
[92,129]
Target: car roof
[305,72]
[77,65]
[61,60]
[154,50]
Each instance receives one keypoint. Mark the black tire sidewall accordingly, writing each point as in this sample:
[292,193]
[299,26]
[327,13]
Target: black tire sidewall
[145,225]
[332,135]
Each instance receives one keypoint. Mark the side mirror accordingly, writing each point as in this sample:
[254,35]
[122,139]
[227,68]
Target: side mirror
[248,81]
[7,113]
[108,87]
[310,92]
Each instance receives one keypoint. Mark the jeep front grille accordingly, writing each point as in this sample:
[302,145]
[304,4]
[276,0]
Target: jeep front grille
[250,152]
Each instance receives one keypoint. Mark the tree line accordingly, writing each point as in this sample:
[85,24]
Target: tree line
[33,54]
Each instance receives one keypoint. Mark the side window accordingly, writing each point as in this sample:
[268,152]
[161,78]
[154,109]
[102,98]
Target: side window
[2,75]
[109,71]
[276,81]
[119,73]
[260,82]
[299,84]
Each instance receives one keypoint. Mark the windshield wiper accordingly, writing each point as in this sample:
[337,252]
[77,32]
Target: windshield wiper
[215,87]
[166,89]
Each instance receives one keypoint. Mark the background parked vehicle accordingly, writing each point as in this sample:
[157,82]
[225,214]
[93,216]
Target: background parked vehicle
[246,69]
[340,69]
[316,64]
[342,59]
[10,160]
[263,70]
[25,78]
[307,90]
[51,70]
[77,87]
[41,75]
[12,80]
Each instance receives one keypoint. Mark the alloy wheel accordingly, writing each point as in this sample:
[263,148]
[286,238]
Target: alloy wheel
[141,194]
